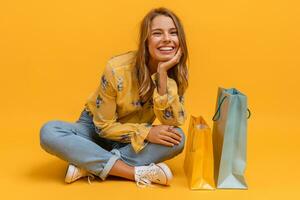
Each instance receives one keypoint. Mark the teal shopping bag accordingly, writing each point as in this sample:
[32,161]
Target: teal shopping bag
[230,138]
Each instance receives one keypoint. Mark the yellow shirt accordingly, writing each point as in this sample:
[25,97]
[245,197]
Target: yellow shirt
[117,110]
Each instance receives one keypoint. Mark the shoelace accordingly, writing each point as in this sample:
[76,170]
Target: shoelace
[144,180]
[142,183]
[90,176]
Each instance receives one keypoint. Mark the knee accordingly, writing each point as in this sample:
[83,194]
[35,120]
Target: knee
[47,132]
[179,148]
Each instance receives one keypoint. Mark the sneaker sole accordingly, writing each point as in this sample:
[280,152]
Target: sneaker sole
[69,174]
[167,172]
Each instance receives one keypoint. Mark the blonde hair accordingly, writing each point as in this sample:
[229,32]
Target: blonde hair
[179,72]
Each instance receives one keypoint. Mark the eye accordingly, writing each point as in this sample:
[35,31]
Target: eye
[174,32]
[156,33]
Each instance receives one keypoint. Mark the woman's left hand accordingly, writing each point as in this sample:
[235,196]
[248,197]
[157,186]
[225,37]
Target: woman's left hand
[165,66]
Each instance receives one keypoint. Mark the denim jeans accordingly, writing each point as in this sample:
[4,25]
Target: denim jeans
[79,144]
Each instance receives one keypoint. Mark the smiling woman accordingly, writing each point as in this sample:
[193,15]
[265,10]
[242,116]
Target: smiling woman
[114,134]
[163,41]
[160,30]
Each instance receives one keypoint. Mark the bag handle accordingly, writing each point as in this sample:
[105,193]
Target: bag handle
[219,110]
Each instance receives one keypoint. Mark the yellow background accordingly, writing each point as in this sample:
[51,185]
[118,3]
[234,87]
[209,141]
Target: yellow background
[53,52]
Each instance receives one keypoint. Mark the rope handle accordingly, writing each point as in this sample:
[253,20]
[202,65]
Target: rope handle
[219,110]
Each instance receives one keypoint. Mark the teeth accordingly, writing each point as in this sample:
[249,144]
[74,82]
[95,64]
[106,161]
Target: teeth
[166,48]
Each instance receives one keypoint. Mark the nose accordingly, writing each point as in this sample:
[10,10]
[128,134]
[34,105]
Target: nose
[166,37]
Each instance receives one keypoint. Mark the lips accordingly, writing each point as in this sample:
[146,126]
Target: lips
[166,50]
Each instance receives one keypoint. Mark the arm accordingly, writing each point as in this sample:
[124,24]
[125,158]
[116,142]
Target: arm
[105,115]
[168,105]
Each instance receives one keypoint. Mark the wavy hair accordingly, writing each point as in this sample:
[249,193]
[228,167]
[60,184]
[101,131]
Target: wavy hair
[179,72]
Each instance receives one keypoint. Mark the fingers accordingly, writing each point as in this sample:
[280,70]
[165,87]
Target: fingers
[166,143]
[174,130]
[172,62]
[171,135]
[178,55]
[179,52]
[169,139]
[167,135]
[177,133]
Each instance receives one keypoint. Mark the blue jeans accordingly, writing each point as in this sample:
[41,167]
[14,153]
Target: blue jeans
[79,144]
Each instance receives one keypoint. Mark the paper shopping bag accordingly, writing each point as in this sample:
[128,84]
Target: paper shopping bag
[199,163]
[230,138]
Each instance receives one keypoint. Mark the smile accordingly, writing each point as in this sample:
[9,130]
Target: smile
[166,49]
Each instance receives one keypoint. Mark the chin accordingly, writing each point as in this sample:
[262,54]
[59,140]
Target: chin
[165,58]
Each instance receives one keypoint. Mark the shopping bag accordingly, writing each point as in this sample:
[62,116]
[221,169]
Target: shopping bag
[199,162]
[230,138]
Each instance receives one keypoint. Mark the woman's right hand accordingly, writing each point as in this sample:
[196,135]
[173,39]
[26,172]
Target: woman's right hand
[165,135]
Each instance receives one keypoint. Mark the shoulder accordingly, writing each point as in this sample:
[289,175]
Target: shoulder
[122,60]
[118,67]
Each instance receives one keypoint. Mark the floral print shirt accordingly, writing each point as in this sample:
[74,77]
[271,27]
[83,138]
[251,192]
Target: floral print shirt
[117,111]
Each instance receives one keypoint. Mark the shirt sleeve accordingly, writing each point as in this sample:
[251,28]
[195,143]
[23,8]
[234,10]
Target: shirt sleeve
[168,108]
[105,116]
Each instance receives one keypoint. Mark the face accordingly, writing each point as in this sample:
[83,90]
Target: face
[163,40]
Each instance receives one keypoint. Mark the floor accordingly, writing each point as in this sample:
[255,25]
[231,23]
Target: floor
[272,169]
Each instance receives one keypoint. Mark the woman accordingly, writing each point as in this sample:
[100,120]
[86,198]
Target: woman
[114,134]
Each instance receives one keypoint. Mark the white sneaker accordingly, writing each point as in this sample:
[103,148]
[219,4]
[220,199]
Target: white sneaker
[153,173]
[74,173]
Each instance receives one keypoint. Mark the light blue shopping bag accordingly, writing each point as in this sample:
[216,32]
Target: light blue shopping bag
[230,138]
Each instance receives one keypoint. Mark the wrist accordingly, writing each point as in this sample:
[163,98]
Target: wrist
[161,70]
[147,137]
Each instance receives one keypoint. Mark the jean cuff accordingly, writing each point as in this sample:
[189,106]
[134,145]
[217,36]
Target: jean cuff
[116,156]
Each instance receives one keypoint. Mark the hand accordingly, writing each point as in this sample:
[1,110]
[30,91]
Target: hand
[165,135]
[165,66]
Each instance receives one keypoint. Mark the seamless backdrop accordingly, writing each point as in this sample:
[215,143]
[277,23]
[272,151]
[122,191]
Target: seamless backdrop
[52,54]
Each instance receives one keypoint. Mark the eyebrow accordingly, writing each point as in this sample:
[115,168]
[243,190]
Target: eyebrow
[159,29]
